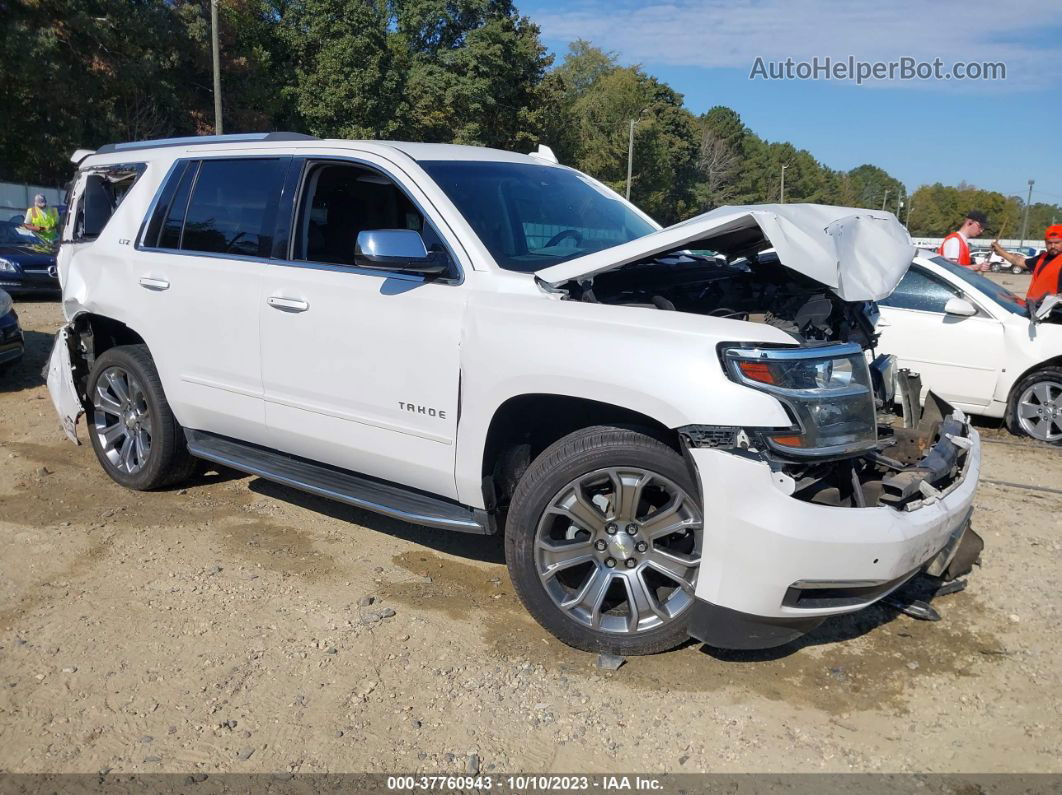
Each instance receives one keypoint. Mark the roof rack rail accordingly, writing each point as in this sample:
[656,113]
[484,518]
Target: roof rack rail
[192,140]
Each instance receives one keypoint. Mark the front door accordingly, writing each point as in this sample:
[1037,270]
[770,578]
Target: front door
[361,367]
[959,358]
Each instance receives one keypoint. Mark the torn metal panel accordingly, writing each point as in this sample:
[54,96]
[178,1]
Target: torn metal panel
[60,377]
[860,254]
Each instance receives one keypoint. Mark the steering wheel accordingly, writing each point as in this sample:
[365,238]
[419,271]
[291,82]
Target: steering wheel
[574,234]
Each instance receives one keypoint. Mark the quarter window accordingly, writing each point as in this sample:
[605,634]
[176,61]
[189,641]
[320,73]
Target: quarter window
[918,290]
[102,192]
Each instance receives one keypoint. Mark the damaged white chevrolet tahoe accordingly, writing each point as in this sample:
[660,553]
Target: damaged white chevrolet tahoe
[673,443]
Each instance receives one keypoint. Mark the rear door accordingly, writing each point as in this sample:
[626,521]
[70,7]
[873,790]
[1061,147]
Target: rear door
[198,274]
[959,358]
[361,367]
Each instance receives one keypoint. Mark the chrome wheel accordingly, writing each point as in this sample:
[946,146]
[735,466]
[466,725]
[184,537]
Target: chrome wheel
[618,550]
[1040,411]
[121,420]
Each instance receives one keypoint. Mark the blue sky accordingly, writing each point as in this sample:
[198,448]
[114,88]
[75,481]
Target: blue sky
[993,134]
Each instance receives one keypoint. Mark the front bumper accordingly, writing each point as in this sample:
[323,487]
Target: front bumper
[767,556]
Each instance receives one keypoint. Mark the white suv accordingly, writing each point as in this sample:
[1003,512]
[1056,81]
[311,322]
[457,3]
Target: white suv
[673,443]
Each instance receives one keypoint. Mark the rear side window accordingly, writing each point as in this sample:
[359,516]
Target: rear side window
[225,206]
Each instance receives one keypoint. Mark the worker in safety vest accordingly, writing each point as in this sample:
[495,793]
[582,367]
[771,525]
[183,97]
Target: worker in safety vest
[956,246]
[42,219]
[1046,268]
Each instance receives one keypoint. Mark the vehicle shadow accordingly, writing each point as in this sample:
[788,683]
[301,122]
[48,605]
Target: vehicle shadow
[836,628]
[486,549]
[26,374]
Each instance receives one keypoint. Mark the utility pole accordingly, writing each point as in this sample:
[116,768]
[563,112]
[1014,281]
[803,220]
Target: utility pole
[1025,220]
[781,193]
[216,48]
[885,199]
[630,158]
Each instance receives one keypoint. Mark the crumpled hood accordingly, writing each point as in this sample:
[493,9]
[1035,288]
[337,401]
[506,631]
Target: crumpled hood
[860,254]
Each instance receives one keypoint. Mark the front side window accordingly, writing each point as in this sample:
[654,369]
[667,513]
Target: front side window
[999,294]
[341,200]
[918,290]
[532,216]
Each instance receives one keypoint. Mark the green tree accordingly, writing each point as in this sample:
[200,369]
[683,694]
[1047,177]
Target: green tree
[475,74]
[346,84]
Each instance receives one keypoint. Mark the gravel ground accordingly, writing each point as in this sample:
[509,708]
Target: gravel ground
[235,625]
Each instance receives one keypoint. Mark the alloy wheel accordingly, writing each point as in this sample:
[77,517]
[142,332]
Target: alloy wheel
[619,549]
[1040,411]
[121,420]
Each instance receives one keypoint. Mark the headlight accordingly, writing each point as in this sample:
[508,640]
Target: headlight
[5,303]
[826,389]
[8,266]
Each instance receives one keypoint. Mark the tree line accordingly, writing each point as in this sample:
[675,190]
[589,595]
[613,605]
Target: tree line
[81,73]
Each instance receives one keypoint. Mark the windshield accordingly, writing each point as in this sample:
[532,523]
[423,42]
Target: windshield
[12,234]
[530,217]
[997,292]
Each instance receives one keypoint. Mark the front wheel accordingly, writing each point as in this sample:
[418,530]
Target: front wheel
[134,434]
[603,541]
[1035,406]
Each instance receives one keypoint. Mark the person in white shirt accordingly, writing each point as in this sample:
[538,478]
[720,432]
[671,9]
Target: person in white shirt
[956,246]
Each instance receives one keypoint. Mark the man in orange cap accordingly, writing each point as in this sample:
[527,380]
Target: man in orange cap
[1046,268]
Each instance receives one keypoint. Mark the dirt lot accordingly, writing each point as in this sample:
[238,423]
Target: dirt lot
[225,627]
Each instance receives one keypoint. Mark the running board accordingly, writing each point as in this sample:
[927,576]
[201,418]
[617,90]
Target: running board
[337,484]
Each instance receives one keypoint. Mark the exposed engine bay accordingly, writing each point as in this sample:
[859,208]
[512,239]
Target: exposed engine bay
[757,288]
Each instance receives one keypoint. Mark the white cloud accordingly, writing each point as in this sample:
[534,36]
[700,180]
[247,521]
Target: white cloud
[733,33]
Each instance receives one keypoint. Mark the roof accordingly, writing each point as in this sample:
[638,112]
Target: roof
[417,151]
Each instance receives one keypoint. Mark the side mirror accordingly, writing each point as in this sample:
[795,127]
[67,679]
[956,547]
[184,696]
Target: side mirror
[396,250]
[959,306]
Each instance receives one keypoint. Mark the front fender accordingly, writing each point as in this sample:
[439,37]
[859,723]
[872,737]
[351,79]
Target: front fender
[663,365]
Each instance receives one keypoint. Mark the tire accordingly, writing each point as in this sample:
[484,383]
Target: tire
[1016,270]
[607,494]
[1035,406]
[129,406]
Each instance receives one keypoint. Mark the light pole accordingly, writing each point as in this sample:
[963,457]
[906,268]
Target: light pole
[885,199]
[781,193]
[216,50]
[630,150]
[1025,220]
[630,158]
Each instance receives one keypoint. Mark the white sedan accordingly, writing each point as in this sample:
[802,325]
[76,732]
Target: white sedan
[974,344]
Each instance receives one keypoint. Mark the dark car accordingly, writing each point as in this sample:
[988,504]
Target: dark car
[27,261]
[12,345]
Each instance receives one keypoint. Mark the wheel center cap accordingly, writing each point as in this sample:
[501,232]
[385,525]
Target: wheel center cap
[621,546]
[130,420]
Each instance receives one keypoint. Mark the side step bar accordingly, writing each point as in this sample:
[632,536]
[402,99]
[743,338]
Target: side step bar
[389,499]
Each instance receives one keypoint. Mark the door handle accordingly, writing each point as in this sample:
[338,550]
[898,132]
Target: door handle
[151,283]
[287,304]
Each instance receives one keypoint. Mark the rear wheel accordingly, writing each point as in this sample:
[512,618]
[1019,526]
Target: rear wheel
[603,541]
[1035,406]
[134,434]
